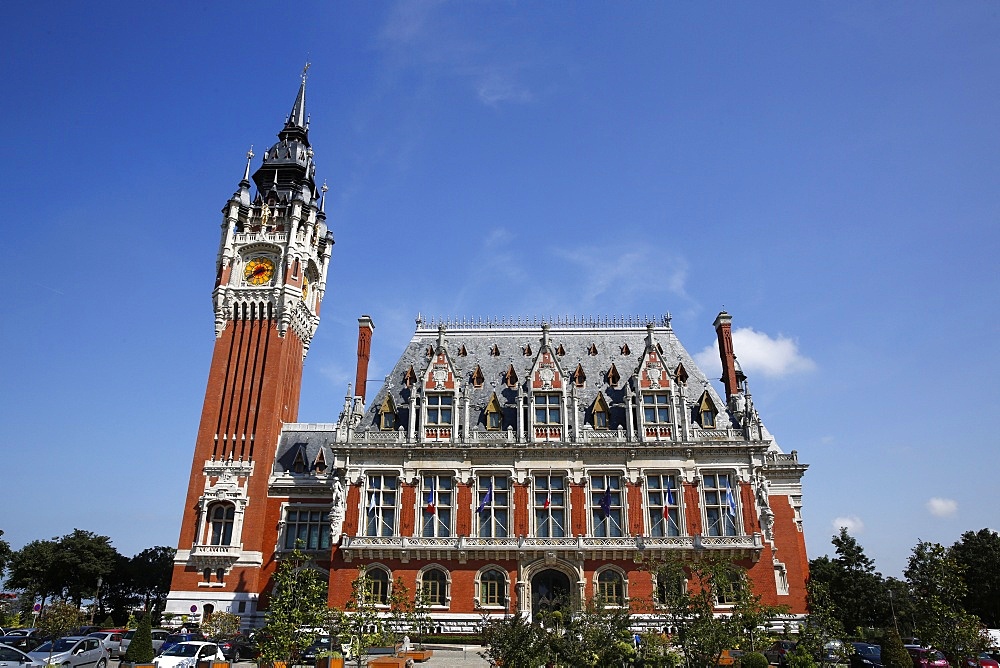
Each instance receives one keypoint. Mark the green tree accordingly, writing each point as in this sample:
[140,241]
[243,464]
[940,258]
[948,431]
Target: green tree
[221,625]
[58,619]
[514,642]
[894,655]
[140,650]
[150,573]
[858,597]
[296,611]
[362,622]
[979,555]
[936,580]
[823,623]
[5,554]
[597,635]
[32,570]
[80,558]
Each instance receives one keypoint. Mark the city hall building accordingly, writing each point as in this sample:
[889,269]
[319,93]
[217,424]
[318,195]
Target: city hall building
[503,465]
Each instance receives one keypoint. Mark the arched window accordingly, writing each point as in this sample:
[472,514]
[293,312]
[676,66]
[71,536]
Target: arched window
[221,518]
[378,582]
[611,587]
[434,587]
[492,588]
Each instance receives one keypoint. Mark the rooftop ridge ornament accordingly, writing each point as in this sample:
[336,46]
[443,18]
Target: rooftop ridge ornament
[617,321]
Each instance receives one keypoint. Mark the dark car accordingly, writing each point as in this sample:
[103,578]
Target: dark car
[983,660]
[321,644]
[866,655]
[925,657]
[177,638]
[778,653]
[23,643]
[238,648]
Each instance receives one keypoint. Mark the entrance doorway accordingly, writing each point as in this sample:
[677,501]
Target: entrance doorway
[549,591]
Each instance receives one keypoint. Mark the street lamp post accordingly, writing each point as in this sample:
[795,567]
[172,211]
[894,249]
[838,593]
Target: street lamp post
[97,595]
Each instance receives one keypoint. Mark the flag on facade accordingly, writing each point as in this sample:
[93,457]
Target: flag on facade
[548,498]
[730,498]
[606,501]
[486,499]
[371,503]
[670,501]
[431,505]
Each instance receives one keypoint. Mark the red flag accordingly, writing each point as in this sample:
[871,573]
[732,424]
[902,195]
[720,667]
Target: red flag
[431,507]
[548,499]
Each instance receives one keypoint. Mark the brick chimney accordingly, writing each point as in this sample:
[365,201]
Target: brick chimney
[723,328]
[365,329]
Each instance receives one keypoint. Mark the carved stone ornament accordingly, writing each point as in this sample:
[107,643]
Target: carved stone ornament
[546,374]
[439,376]
[655,373]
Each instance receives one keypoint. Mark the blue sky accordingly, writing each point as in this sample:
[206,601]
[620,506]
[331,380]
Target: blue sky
[827,172]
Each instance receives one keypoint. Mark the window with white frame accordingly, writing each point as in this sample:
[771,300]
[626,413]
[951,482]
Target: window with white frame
[547,409]
[656,408]
[668,586]
[439,409]
[221,518]
[493,508]
[606,505]
[550,506]
[493,588]
[378,584]
[663,505]
[727,587]
[436,493]
[307,528]
[434,587]
[720,504]
[611,587]
[380,505]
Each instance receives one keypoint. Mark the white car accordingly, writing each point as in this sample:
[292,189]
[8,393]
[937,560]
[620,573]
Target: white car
[111,639]
[11,657]
[188,654]
[72,652]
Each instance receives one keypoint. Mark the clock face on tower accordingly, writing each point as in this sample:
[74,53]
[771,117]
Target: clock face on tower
[259,271]
[305,288]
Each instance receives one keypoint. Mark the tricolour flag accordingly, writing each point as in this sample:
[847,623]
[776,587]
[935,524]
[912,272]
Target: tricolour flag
[431,501]
[670,501]
[487,498]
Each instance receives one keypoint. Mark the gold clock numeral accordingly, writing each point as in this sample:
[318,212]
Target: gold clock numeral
[259,271]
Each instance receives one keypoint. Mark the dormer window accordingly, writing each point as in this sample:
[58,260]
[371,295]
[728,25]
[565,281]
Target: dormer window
[494,414]
[547,409]
[439,409]
[592,350]
[613,376]
[706,412]
[560,350]
[600,412]
[527,350]
[626,350]
[579,378]
[299,463]
[462,352]
[656,408]
[510,377]
[410,377]
[495,351]
[387,415]
[477,377]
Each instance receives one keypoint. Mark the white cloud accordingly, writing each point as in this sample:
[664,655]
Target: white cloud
[495,87]
[759,353]
[852,523]
[942,507]
[605,275]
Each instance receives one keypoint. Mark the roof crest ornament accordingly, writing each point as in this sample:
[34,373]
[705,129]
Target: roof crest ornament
[619,321]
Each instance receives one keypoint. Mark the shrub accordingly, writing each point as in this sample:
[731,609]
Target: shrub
[894,655]
[140,650]
[801,658]
[753,660]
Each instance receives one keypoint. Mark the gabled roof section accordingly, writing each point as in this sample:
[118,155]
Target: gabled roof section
[652,370]
[579,376]
[574,336]
[440,372]
[546,374]
[477,378]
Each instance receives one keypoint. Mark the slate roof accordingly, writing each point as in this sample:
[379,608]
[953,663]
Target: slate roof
[619,342]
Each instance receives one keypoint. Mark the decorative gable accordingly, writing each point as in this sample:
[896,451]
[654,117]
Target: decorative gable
[579,378]
[613,376]
[510,377]
[299,464]
[546,374]
[319,464]
[652,372]
[440,374]
[477,377]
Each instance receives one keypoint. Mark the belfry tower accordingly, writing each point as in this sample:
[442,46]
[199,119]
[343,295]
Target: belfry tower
[271,271]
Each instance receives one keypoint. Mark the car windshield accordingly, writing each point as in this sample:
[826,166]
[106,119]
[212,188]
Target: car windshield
[61,645]
[935,655]
[129,634]
[100,635]
[182,650]
[870,650]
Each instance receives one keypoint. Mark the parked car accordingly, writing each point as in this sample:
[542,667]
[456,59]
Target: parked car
[238,648]
[111,639]
[983,660]
[11,657]
[178,638]
[866,655]
[925,657]
[159,636]
[188,654]
[22,643]
[777,654]
[833,652]
[23,632]
[322,644]
[72,652]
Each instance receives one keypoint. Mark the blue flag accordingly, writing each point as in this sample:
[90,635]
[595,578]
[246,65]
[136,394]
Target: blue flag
[606,501]
[486,499]
[670,495]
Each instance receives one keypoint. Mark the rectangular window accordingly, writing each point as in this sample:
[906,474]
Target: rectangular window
[606,505]
[493,508]
[663,505]
[307,528]
[720,504]
[727,588]
[547,409]
[550,506]
[439,409]
[656,408]
[380,505]
[436,499]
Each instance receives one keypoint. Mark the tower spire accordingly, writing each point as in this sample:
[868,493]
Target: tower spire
[297,125]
